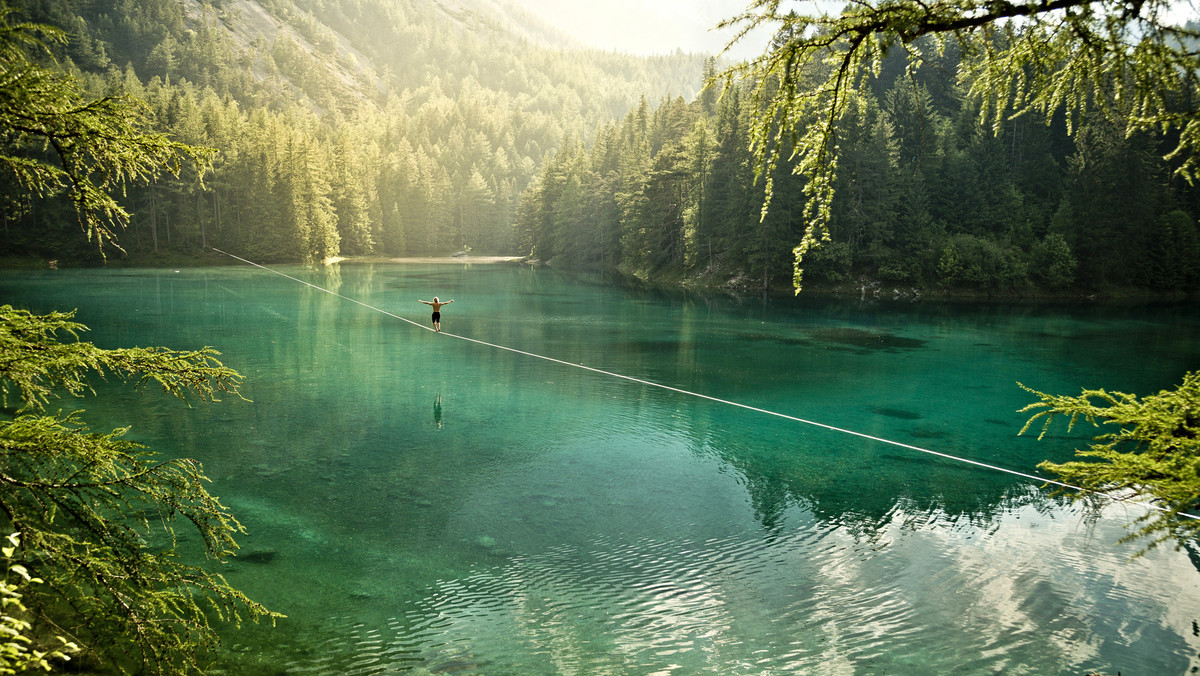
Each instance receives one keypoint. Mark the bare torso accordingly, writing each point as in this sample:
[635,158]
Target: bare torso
[437,305]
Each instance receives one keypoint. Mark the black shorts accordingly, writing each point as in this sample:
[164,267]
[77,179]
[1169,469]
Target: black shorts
[437,316]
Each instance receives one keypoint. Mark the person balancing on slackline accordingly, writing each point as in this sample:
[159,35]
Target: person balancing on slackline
[437,311]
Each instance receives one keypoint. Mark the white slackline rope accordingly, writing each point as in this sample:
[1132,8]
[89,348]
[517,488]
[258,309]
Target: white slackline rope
[764,411]
[318,288]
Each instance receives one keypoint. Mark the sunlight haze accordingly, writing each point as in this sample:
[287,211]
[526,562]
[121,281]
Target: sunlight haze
[644,27]
[648,27]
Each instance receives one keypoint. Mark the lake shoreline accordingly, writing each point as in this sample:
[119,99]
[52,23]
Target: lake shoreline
[216,259]
[434,260]
[867,289]
[864,289]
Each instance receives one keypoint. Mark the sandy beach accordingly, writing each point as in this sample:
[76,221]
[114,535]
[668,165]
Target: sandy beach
[456,259]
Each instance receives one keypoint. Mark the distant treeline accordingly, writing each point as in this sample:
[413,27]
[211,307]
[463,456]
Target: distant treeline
[356,127]
[363,126]
[926,199]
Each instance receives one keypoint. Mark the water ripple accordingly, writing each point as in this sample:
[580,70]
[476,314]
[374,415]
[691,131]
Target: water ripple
[818,600]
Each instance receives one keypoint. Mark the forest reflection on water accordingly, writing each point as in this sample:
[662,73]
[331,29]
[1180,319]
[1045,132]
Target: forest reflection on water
[420,503]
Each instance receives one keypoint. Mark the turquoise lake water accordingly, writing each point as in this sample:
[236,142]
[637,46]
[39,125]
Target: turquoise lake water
[418,503]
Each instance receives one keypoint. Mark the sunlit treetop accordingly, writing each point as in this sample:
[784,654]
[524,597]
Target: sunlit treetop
[57,138]
[1125,59]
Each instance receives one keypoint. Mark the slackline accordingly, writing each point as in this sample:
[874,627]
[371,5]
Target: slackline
[649,383]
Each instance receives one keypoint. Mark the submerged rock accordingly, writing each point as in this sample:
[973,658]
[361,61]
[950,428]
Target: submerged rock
[258,556]
[897,413]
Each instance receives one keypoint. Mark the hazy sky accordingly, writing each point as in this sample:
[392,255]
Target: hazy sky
[662,26]
[646,26]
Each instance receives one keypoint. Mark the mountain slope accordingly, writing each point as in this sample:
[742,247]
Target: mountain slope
[443,110]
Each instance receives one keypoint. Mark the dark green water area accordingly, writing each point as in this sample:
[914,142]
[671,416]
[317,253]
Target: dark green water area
[419,503]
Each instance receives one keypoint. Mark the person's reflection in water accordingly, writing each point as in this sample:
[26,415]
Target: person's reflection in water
[437,411]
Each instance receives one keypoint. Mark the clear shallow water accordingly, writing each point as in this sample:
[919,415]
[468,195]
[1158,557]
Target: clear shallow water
[416,502]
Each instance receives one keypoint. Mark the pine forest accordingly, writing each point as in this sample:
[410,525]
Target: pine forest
[348,128]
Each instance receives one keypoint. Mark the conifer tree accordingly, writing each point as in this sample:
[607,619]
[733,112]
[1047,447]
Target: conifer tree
[1152,452]
[56,139]
[88,505]
[1126,61]
[95,513]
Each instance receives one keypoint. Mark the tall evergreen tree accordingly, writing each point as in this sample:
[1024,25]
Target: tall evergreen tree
[1072,56]
[77,498]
